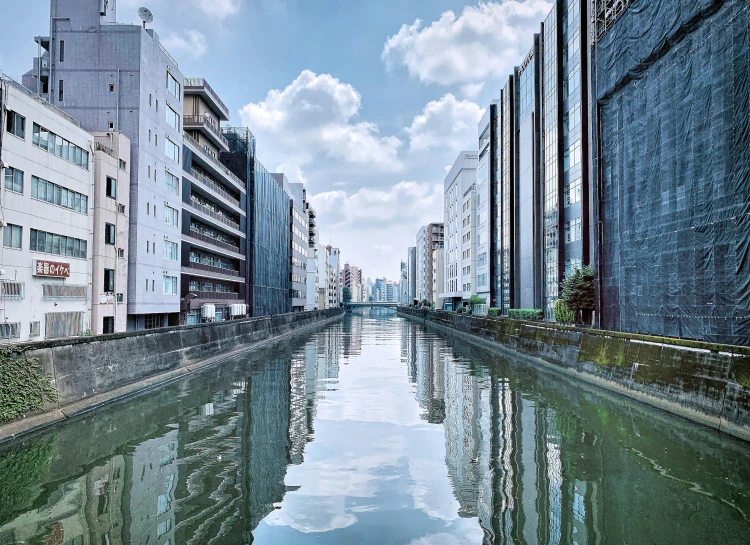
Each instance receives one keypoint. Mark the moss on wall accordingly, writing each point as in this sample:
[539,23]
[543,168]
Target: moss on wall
[24,387]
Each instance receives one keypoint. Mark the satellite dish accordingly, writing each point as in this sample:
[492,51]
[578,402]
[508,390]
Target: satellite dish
[145,15]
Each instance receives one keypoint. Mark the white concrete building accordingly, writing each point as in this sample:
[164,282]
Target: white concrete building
[47,219]
[460,230]
[110,238]
[335,295]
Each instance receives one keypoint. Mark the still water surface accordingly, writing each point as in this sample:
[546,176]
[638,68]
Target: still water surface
[374,431]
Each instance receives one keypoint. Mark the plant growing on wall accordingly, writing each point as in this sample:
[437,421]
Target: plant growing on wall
[578,291]
[563,315]
[23,385]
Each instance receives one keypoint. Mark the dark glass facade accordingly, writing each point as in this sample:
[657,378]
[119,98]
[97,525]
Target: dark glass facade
[268,232]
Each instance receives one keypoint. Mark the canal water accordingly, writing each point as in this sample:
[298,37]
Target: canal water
[375,430]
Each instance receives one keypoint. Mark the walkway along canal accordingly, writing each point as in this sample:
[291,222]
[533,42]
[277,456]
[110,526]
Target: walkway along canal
[375,430]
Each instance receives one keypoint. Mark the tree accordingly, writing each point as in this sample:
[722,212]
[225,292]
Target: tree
[578,290]
[347,294]
[475,300]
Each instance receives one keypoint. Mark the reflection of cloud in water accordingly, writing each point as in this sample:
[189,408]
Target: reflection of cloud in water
[447,539]
[308,514]
[431,489]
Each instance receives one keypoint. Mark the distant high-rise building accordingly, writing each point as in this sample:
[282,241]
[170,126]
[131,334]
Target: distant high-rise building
[351,277]
[411,273]
[429,238]
[299,233]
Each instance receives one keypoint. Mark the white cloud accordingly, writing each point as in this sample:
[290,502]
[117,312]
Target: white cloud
[214,9]
[472,90]
[219,9]
[314,117]
[445,123]
[485,41]
[188,42]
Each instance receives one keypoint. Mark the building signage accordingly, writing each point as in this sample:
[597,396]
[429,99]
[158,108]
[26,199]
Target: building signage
[42,267]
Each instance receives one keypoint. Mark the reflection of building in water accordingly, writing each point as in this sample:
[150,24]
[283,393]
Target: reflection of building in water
[424,363]
[352,337]
[298,421]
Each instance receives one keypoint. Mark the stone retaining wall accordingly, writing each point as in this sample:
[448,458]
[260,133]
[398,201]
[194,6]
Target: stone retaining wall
[92,370]
[707,383]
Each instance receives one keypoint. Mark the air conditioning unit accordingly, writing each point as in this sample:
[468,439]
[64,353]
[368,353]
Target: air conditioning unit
[237,309]
[208,311]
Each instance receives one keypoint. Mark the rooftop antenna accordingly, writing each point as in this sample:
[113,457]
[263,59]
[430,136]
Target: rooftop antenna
[145,15]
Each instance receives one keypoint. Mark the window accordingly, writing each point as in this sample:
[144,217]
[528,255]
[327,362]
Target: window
[573,192]
[56,145]
[14,179]
[109,233]
[170,250]
[149,99]
[16,124]
[173,86]
[109,280]
[171,216]
[121,208]
[12,236]
[172,183]
[60,91]
[170,285]
[111,188]
[108,324]
[111,125]
[173,118]
[50,243]
[171,150]
[34,329]
[120,298]
[121,252]
[10,330]
[157,104]
[111,87]
[56,194]
[62,50]
[156,140]
[123,165]
[573,230]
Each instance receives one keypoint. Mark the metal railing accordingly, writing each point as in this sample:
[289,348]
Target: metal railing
[210,240]
[198,206]
[214,161]
[101,147]
[216,294]
[211,268]
[200,82]
[207,122]
[208,182]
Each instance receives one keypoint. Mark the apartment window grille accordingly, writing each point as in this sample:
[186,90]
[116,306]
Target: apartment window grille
[14,179]
[10,330]
[11,289]
[34,329]
[63,324]
[64,291]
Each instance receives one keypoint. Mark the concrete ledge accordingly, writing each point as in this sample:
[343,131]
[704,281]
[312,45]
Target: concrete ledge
[694,380]
[92,372]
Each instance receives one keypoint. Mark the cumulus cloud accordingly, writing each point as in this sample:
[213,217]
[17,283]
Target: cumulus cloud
[485,41]
[445,123]
[472,90]
[314,117]
[188,42]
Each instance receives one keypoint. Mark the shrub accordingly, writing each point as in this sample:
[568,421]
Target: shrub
[563,314]
[578,290]
[493,311]
[461,310]
[534,314]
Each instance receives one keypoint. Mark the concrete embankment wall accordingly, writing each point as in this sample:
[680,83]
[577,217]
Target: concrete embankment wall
[90,371]
[707,383]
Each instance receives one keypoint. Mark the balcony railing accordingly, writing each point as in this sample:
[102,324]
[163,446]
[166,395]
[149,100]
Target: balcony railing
[216,294]
[190,121]
[208,182]
[211,268]
[214,161]
[198,206]
[215,242]
[200,82]
[101,147]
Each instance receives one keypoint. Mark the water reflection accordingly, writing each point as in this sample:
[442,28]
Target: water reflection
[374,430]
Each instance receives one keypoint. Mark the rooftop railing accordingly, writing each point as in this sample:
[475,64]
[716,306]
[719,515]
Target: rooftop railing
[207,122]
[214,161]
[200,82]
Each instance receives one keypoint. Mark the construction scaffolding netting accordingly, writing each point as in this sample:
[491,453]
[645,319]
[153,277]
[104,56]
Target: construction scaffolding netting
[672,89]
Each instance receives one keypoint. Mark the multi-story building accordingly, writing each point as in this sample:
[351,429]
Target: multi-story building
[267,228]
[378,290]
[403,285]
[299,236]
[486,175]
[411,274]
[460,239]
[324,267]
[429,237]
[47,200]
[438,276]
[335,296]
[213,216]
[313,266]
[351,277]
[119,77]
[109,266]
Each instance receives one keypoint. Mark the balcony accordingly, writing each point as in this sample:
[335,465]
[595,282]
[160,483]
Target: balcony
[215,271]
[216,295]
[215,242]
[199,86]
[212,162]
[215,187]
[208,127]
[211,213]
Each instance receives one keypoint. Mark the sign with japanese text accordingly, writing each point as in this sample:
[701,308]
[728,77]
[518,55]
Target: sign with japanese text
[42,267]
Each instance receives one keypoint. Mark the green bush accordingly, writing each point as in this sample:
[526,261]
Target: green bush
[461,310]
[526,314]
[494,311]
[563,314]
[23,385]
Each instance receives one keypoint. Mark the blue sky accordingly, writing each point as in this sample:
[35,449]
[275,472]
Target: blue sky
[366,102]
